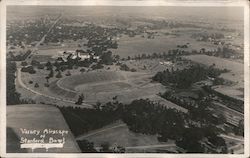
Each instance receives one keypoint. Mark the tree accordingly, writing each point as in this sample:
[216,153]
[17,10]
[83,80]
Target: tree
[49,65]
[47,79]
[117,57]
[24,63]
[82,70]
[105,147]
[36,85]
[86,146]
[191,140]
[29,69]
[106,58]
[35,63]
[239,130]
[97,106]
[51,74]
[13,97]
[59,74]
[80,99]
[68,73]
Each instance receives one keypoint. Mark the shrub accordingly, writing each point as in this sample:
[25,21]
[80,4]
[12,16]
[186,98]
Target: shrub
[24,63]
[59,75]
[36,85]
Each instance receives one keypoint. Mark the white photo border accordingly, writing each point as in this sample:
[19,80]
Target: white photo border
[185,3]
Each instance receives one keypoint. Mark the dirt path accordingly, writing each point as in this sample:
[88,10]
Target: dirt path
[81,137]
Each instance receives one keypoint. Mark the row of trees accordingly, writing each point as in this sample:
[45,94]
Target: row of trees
[204,36]
[171,54]
[223,52]
[13,97]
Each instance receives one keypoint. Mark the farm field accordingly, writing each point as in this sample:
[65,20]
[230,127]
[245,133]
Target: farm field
[40,117]
[236,74]
[131,46]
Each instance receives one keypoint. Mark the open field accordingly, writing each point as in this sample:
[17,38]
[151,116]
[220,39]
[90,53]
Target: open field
[236,74]
[38,117]
[108,87]
[72,82]
[118,134]
[103,86]
[235,67]
[99,85]
[131,46]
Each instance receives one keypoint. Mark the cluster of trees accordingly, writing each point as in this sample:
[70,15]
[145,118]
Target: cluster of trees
[61,65]
[171,54]
[29,69]
[182,46]
[124,67]
[147,117]
[231,102]
[13,97]
[143,116]
[198,110]
[186,77]
[88,147]
[207,36]
[82,121]
[20,56]
[202,140]
[106,58]
[223,52]
[28,31]
[239,130]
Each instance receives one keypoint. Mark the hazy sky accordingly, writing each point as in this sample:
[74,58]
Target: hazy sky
[214,13]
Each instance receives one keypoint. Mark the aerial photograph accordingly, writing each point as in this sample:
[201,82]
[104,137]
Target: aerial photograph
[125,79]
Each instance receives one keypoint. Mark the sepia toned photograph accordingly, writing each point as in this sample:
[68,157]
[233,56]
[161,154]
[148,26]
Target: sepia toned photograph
[162,79]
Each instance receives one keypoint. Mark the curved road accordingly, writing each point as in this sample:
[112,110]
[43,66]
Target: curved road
[19,80]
